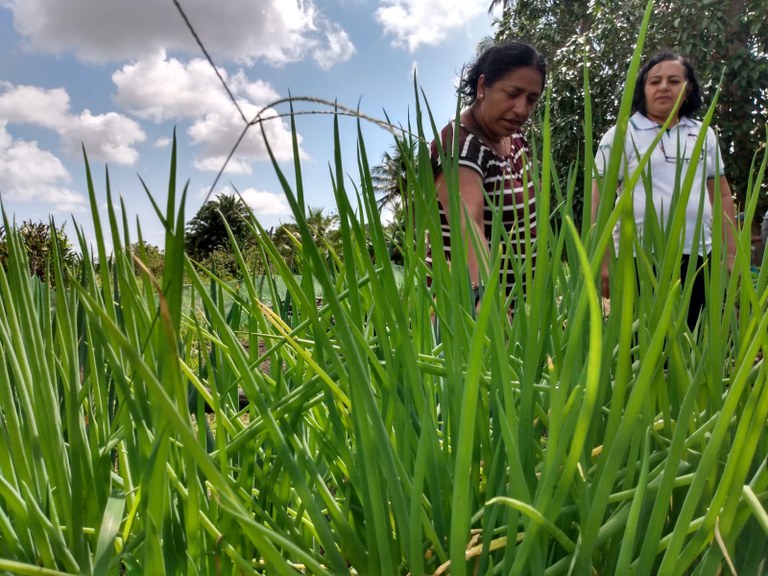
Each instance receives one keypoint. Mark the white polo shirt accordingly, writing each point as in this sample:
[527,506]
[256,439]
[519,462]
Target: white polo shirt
[662,168]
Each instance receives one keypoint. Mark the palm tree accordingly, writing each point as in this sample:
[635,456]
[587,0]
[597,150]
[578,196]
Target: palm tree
[322,225]
[390,180]
[38,239]
[324,231]
[486,42]
[390,176]
[285,239]
[505,4]
[207,231]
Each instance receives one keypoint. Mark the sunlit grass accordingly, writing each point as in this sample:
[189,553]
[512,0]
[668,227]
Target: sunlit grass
[396,430]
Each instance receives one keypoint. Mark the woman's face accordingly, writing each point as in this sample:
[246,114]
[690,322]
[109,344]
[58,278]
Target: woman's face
[663,85]
[506,104]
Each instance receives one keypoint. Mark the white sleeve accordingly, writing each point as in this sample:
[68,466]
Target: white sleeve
[715,165]
[603,154]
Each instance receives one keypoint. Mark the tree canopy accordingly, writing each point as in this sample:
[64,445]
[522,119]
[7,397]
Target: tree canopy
[207,230]
[723,38]
[325,235]
[38,240]
[390,176]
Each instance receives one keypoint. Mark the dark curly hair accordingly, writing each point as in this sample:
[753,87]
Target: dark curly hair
[498,61]
[692,102]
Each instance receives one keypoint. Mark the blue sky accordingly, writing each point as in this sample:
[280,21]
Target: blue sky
[118,76]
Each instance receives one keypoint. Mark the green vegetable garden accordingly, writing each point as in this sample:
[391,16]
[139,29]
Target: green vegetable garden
[390,427]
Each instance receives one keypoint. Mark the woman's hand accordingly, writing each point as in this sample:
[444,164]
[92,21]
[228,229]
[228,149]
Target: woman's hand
[729,218]
[604,267]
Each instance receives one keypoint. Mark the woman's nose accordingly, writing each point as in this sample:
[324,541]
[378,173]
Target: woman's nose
[521,106]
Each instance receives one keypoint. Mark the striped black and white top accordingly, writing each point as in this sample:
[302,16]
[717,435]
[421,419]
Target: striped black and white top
[509,187]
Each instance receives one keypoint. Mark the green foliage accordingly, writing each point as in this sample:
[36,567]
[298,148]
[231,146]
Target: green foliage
[390,180]
[397,235]
[392,428]
[287,244]
[390,175]
[207,231]
[151,257]
[727,40]
[39,241]
[323,233]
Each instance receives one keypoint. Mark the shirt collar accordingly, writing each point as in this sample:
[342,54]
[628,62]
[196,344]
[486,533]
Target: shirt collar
[641,122]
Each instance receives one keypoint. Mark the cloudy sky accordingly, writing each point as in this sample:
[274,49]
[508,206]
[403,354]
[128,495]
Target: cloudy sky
[118,77]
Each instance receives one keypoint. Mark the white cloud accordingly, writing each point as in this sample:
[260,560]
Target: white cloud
[32,105]
[29,174]
[219,131]
[162,88]
[266,203]
[110,137]
[429,22]
[277,31]
[338,48]
[162,143]
[214,164]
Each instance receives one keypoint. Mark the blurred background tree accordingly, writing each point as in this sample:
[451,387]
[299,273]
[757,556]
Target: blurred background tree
[325,235]
[286,239]
[38,240]
[207,241]
[152,257]
[722,38]
[207,231]
[390,182]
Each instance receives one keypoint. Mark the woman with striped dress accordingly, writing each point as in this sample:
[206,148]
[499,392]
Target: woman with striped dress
[501,88]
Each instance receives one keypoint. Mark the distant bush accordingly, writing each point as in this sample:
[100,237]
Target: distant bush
[39,242]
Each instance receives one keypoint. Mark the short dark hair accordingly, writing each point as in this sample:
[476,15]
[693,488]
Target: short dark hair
[691,103]
[498,61]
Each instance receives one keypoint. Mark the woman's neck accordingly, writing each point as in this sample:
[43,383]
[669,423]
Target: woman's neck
[660,121]
[494,143]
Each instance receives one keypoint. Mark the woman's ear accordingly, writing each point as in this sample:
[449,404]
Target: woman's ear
[481,85]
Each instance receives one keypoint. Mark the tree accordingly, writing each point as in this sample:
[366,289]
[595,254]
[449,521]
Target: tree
[390,182]
[285,239]
[151,256]
[727,38]
[207,231]
[504,4]
[324,226]
[390,176]
[38,240]
[397,235]
[324,231]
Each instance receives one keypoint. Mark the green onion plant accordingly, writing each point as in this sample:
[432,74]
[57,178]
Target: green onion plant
[390,427]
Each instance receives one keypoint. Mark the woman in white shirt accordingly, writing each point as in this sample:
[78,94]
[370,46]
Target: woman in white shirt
[659,83]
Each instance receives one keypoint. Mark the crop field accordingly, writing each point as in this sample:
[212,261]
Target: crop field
[397,428]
